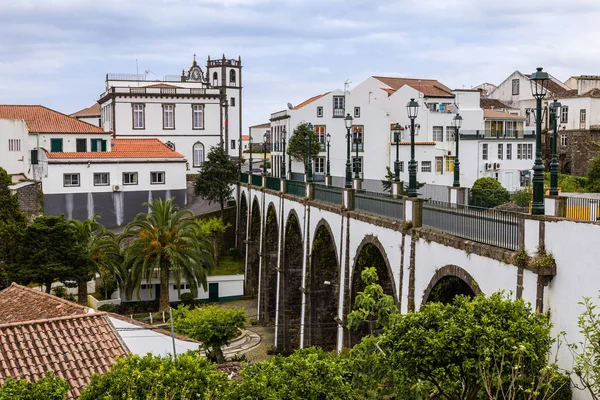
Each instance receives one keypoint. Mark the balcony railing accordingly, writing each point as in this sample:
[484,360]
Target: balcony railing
[156,90]
[338,112]
[295,188]
[379,204]
[257,180]
[496,134]
[327,194]
[273,183]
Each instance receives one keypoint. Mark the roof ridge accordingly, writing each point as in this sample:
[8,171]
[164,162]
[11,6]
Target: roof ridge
[50,296]
[46,320]
[150,327]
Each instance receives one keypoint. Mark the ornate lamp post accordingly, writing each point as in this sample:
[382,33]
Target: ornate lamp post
[283,133]
[356,175]
[328,163]
[250,158]
[456,123]
[266,140]
[412,108]
[397,132]
[554,115]
[309,177]
[348,122]
[539,88]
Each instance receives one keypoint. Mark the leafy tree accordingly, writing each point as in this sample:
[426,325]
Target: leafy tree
[568,183]
[165,240]
[488,193]
[439,352]
[594,176]
[296,147]
[213,229]
[50,387]
[217,176]
[522,197]
[372,306]
[185,378]
[52,251]
[389,179]
[214,326]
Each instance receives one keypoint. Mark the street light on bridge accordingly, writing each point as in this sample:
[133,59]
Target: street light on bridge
[397,132]
[283,133]
[539,87]
[328,163]
[266,140]
[456,123]
[554,115]
[348,122]
[412,108]
[308,164]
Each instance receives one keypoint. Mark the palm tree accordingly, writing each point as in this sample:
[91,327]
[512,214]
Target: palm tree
[165,241]
[105,255]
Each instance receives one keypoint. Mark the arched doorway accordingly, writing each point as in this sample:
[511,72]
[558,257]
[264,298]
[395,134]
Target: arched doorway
[370,254]
[269,273]
[243,222]
[323,288]
[253,250]
[290,302]
[447,283]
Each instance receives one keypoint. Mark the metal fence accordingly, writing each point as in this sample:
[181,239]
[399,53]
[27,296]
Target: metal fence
[257,180]
[295,188]
[489,226]
[273,183]
[327,194]
[379,203]
[434,192]
[583,208]
[243,177]
[297,176]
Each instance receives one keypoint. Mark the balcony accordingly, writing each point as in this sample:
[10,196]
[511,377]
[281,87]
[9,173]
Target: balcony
[339,112]
[156,90]
[496,134]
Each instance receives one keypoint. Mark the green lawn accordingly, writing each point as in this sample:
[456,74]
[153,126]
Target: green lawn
[228,266]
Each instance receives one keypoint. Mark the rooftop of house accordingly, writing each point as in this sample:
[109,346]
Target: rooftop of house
[92,111]
[307,102]
[40,119]
[245,137]
[492,104]
[494,114]
[265,125]
[429,87]
[124,148]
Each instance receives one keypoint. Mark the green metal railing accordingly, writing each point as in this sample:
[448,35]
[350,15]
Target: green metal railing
[273,183]
[257,180]
[243,177]
[297,176]
[295,188]
[327,194]
[379,204]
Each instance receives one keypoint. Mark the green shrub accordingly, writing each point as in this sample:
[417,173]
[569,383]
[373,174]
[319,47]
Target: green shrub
[522,197]
[49,387]
[60,291]
[488,193]
[108,308]
[187,298]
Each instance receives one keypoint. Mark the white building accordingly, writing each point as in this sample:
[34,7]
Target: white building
[191,112]
[91,115]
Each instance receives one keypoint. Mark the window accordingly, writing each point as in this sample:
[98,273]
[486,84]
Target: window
[232,76]
[232,144]
[520,152]
[321,134]
[450,133]
[182,286]
[56,145]
[515,87]
[449,164]
[146,286]
[357,163]
[401,166]
[101,179]
[356,112]
[528,113]
[14,144]
[138,116]
[484,151]
[563,139]
[319,111]
[98,145]
[357,137]
[81,145]
[70,179]
[582,116]
[425,166]
[34,157]
[130,178]
[338,106]
[438,134]
[529,151]
[564,114]
[198,116]
[168,116]
[500,151]
[320,165]
[232,102]
[439,165]
[509,151]
[157,178]
[198,154]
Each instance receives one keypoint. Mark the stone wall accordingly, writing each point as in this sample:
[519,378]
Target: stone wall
[30,198]
[582,147]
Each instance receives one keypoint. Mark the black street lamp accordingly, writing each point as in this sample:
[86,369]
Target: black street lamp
[250,158]
[397,132]
[539,88]
[412,108]
[239,141]
[348,122]
[266,140]
[328,163]
[309,177]
[456,123]
[554,115]
[356,175]
[283,133]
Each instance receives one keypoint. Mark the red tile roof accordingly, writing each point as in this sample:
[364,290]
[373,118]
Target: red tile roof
[74,347]
[493,104]
[93,111]
[389,91]
[306,102]
[429,87]
[40,119]
[20,303]
[125,148]
[493,114]
[245,137]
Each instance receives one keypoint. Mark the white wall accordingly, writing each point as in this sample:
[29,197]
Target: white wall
[90,120]
[14,162]
[69,140]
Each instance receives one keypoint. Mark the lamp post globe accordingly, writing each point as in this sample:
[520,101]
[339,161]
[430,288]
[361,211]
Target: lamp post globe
[412,109]
[539,87]
[456,123]
[348,123]
[554,115]
[397,132]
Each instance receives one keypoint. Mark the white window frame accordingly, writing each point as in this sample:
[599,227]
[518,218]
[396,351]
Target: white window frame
[102,182]
[516,84]
[319,111]
[509,151]
[564,114]
[320,165]
[356,112]
[168,116]
[500,151]
[563,140]
[132,178]
[72,182]
[438,133]
[582,115]
[425,166]
[14,144]
[529,147]
[155,177]
[197,154]
[484,151]
[197,116]
[450,134]
[520,152]
[139,116]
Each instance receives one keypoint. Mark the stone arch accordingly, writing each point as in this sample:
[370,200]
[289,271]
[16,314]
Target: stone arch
[269,269]
[321,326]
[369,253]
[290,300]
[460,281]
[253,256]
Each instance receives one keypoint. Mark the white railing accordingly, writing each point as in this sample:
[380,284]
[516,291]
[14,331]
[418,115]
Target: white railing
[95,303]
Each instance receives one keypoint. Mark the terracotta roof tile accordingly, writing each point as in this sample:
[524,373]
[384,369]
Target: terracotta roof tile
[493,104]
[245,137]
[493,114]
[306,102]
[40,119]
[389,91]
[125,148]
[78,347]
[429,87]
[93,111]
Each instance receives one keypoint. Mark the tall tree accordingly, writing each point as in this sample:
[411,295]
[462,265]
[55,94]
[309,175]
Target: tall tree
[297,145]
[165,240]
[217,176]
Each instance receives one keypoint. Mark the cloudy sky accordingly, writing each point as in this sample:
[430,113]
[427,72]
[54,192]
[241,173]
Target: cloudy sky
[57,52]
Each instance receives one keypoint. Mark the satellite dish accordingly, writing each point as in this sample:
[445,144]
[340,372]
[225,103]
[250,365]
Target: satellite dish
[290,106]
